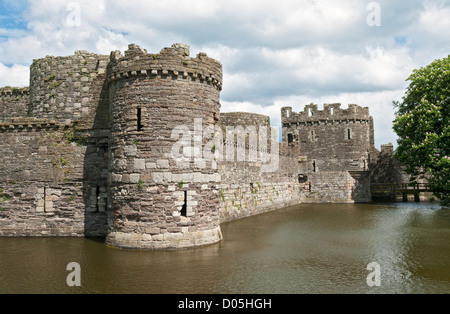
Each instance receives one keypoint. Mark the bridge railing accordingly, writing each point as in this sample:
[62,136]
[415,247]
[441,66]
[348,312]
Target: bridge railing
[400,187]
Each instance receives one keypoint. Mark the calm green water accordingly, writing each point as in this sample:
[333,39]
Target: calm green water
[301,249]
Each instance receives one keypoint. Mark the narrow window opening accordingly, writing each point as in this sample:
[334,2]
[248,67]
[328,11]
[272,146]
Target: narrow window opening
[97,197]
[313,136]
[184,209]
[309,112]
[97,65]
[349,134]
[290,138]
[332,111]
[139,119]
[314,166]
[45,199]
[288,114]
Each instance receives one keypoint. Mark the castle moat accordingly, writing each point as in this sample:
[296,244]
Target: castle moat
[307,248]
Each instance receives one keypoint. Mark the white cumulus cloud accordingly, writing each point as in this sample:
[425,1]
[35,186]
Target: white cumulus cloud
[272,52]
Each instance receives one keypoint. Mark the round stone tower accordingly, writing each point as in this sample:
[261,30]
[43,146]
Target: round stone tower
[63,88]
[163,191]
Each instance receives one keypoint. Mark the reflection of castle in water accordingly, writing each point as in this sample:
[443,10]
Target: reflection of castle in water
[87,150]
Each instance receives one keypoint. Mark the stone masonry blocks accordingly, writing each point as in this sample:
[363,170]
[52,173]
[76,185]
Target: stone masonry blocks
[87,150]
[148,99]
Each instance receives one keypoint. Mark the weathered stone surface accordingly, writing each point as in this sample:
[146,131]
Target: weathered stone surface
[332,140]
[14,102]
[144,112]
[87,150]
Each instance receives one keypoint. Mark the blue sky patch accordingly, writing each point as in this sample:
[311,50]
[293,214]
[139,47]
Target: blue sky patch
[12,14]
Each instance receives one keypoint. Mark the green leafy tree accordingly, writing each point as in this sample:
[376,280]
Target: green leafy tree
[422,124]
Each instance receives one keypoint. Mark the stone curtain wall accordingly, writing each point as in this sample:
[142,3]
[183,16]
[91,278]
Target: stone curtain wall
[243,119]
[246,189]
[42,192]
[13,102]
[337,187]
[387,169]
[54,163]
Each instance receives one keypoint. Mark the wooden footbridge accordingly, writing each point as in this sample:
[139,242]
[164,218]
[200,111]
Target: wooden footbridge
[392,189]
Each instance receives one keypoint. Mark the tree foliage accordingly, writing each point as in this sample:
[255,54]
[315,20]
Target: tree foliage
[422,124]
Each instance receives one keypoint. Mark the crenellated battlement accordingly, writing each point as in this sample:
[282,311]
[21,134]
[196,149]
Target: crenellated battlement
[23,124]
[172,63]
[9,91]
[332,139]
[331,113]
[14,102]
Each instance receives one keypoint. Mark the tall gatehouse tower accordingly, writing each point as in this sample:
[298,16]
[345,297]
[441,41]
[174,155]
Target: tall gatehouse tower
[334,143]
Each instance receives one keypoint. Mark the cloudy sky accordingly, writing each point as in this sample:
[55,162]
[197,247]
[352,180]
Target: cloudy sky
[274,53]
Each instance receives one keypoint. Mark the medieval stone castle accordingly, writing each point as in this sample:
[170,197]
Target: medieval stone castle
[133,147]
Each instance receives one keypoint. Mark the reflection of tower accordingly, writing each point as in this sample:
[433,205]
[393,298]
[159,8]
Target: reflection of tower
[158,202]
[332,139]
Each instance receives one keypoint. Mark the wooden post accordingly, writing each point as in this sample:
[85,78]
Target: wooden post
[416,197]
